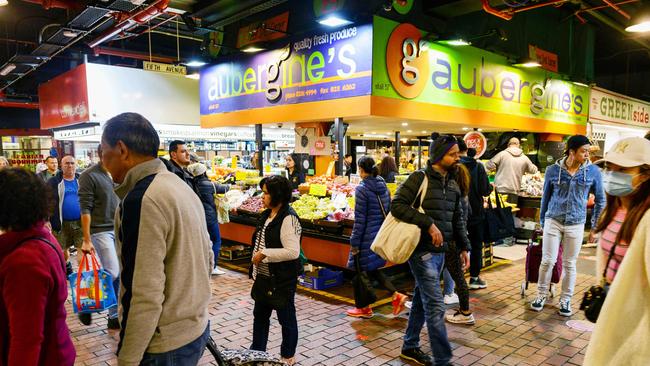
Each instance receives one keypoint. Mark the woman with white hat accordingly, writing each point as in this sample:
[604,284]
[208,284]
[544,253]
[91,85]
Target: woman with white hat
[623,325]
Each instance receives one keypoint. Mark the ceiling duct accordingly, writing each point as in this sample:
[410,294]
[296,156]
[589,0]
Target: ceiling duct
[223,13]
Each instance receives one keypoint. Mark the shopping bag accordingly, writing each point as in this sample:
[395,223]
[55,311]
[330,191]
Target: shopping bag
[396,240]
[92,287]
[499,222]
[223,208]
[364,294]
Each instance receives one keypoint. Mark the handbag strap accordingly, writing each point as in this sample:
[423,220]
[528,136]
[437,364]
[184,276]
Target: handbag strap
[422,191]
[609,259]
[357,264]
[381,205]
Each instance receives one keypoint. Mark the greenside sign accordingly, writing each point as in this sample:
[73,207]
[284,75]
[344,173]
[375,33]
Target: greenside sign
[407,67]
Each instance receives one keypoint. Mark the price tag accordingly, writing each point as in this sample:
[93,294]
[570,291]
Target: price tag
[319,190]
[392,187]
[234,163]
[240,175]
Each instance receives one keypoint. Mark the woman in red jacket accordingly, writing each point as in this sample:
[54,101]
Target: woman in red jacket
[33,286]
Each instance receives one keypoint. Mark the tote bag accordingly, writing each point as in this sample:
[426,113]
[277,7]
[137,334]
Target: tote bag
[92,288]
[499,223]
[396,240]
[223,216]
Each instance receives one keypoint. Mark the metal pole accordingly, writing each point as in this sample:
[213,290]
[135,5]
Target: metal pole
[397,147]
[419,153]
[260,148]
[340,136]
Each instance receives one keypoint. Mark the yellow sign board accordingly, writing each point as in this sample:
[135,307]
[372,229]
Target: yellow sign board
[319,190]
[392,187]
[240,175]
[234,162]
[166,68]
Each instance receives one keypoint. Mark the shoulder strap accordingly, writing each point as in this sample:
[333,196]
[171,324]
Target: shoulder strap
[42,239]
[381,204]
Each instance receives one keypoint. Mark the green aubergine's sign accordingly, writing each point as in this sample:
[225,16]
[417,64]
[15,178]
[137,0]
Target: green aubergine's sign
[407,67]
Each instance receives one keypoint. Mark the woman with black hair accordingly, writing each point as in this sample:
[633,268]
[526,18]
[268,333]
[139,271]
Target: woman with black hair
[296,175]
[33,287]
[372,204]
[388,169]
[275,267]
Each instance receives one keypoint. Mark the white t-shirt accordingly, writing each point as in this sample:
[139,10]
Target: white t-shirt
[290,232]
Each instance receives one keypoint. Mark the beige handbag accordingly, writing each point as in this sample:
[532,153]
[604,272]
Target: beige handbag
[396,240]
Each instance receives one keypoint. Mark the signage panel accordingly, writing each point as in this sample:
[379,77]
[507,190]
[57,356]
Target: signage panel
[63,101]
[609,107]
[166,68]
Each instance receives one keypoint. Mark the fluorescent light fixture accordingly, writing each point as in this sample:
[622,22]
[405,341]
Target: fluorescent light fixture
[465,128]
[409,131]
[580,84]
[334,21]
[455,42]
[195,76]
[424,131]
[195,63]
[70,34]
[528,63]
[4,2]
[640,26]
[7,69]
[404,124]
[252,49]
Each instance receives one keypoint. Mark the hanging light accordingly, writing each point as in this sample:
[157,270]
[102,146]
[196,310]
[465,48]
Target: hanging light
[4,2]
[640,23]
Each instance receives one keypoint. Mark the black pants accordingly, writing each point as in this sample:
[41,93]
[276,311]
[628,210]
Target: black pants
[476,255]
[453,265]
[288,322]
[378,276]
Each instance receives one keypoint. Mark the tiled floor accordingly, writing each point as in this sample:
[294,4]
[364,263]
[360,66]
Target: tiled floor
[506,333]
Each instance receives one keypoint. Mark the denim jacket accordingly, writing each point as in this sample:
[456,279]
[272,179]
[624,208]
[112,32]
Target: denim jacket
[565,197]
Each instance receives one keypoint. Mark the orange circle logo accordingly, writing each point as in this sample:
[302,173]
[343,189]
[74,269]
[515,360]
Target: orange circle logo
[406,61]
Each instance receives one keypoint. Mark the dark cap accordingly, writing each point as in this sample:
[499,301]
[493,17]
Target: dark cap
[439,147]
[462,146]
[577,141]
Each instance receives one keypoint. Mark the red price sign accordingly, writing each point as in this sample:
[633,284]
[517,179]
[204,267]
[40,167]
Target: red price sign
[476,140]
[319,144]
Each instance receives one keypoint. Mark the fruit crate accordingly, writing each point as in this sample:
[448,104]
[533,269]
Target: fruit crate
[235,253]
[321,279]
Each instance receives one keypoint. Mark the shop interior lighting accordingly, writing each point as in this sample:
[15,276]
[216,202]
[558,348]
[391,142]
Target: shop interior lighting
[404,124]
[334,20]
[424,131]
[528,63]
[409,131]
[195,76]
[4,2]
[196,63]
[580,84]
[465,128]
[640,23]
[70,34]
[7,69]
[455,42]
[252,49]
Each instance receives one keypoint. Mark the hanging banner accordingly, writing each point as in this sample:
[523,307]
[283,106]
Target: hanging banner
[408,67]
[547,59]
[266,30]
[63,101]
[610,107]
[314,67]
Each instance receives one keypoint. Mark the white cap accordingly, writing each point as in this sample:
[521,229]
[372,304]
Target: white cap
[628,153]
[197,169]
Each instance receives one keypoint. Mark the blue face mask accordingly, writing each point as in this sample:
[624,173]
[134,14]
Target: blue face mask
[618,184]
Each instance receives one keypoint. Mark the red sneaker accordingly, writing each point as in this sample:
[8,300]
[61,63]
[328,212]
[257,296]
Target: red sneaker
[399,302]
[360,313]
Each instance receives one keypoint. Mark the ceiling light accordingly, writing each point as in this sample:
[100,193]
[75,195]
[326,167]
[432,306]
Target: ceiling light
[479,129]
[527,63]
[465,128]
[252,49]
[424,131]
[580,84]
[374,133]
[640,23]
[404,124]
[195,76]
[409,131]
[455,42]
[195,63]
[334,21]
[4,2]
[7,69]
[70,34]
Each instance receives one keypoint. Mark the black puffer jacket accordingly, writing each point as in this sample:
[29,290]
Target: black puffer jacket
[206,190]
[442,207]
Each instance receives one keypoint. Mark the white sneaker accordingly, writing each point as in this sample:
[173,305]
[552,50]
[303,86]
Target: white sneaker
[217,271]
[460,318]
[451,299]
[408,304]
[538,303]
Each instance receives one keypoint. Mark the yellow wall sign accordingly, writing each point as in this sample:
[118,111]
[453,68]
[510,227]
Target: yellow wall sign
[166,68]
[319,190]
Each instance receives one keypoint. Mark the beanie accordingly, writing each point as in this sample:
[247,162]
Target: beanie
[577,141]
[197,169]
[462,146]
[439,147]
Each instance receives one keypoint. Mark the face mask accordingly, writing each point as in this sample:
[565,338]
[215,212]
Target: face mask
[618,184]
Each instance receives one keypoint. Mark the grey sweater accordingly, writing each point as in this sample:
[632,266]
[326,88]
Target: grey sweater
[97,198]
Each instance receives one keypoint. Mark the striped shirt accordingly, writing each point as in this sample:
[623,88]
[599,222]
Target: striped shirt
[607,239]
[290,233]
[260,245]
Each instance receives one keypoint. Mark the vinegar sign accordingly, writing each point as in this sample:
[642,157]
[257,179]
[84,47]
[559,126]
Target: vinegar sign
[476,140]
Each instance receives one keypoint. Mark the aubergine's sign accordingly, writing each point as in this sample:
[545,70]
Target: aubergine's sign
[407,67]
[323,66]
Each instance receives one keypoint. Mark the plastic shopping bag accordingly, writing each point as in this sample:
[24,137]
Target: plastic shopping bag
[92,288]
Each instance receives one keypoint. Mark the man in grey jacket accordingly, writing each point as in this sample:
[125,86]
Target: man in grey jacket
[98,203]
[511,164]
[164,250]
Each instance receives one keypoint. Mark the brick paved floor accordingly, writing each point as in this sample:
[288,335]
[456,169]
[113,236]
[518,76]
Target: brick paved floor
[505,333]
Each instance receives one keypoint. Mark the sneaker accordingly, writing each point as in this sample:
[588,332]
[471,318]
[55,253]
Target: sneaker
[216,271]
[85,318]
[360,313]
[476,283]
[416,355]
[68,269]
[565,308]
[538,303]
[114,323]
[459,318]
[408,304]
[398,303]
[72,251]
[451,299]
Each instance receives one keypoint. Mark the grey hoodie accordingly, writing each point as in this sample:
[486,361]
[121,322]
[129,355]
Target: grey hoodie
[511,164]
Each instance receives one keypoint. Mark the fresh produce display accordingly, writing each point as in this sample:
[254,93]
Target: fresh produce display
[338,184]
[504,198]
[252,204]
[532,184]
[313,208]
[235,198]
[399,179]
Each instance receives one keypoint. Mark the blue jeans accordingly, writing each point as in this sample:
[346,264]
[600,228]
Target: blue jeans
[428,305]
[215,238]
[448,284]
[104,244]
[288,322]
[188,355]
